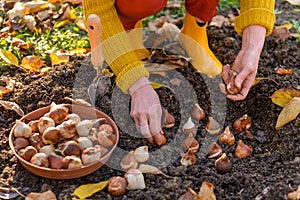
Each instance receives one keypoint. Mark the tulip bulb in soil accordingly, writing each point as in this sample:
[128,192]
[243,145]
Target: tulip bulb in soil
[22,129]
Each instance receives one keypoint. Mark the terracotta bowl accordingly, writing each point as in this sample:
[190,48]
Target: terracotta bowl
[85,113]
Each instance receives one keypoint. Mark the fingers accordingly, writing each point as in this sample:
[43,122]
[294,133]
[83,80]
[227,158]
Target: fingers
[225,71]
[155,123]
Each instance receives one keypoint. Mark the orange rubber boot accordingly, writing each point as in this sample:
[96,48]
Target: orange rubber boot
[136,38]
[194,40]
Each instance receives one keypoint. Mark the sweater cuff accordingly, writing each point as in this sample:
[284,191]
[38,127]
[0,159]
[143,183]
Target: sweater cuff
[255,16]
[130,74]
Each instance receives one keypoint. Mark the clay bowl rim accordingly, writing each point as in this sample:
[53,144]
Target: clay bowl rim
[40,171]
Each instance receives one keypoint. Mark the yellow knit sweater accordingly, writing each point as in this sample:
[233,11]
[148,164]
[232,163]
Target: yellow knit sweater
[255,12]
[118,51]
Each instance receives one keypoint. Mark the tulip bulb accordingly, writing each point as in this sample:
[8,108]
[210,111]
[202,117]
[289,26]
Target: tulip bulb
[71,162]
[135,179]
[198,113]
[22,129]
[141,154]
[169,120]
[55,161]
[189,127]
[128,162]
[212,126]
[214,151]
[106,139]
[84,143]
[74,117]
[20,143]
[190,143]
[44,123]
[107,128]
[47,149]
[243,150]
[27,153]
[58,113]
[67,129]
[90,155]
[223,164]
[50,135]
[227,137]
[188,158]
[242,123]
[84,127]
[40,159]
[117,186]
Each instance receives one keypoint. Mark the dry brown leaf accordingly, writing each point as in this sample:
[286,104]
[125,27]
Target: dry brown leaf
[207,191]
[48,195]
[161,67]
[258,79]
[149,169]
[294,195]
[282,31]
[58,58]
[282,96]
[217,21]
[10,84]
[190,195]
[80,23]
[12,106]
[32,63]
[290,112]
[283,71]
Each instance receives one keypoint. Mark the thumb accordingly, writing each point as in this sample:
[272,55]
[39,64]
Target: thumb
[240,78]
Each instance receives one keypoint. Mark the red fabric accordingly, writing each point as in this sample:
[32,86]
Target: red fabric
[131,11]
[202,9]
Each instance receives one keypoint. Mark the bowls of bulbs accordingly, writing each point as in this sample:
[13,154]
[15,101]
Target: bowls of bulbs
[64,141]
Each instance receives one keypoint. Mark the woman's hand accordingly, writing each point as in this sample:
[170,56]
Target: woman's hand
[146,111]
[246,63]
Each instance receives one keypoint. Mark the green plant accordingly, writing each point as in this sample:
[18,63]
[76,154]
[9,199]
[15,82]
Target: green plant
[296,26]
[226,4]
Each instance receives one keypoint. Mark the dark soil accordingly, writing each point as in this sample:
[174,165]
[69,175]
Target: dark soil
[271,172]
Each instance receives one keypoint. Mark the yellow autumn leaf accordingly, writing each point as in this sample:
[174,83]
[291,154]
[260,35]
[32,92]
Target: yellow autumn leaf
[87,190]
[9,58]
[290,112]
[57,59]
[32,63]
[61,23]
[282,96]
[156,85]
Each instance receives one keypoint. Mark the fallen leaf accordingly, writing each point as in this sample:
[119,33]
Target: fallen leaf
[189,195]
[258,79]
[32,63]
[10,84]
[158,85]
[149,169]
[283,71]
[12,106]
[217,21]
[8,58]
[282,96]
[288,113]
[87,190]
[60,23]
[294,195]
[80,23]
[151,68]
[282,31]
[294,2]
[45,69]
[207,191]
[81,102]
[11,193]
[48,195]
[57,59]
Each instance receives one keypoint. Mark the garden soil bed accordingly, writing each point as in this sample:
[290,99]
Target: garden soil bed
[271,172]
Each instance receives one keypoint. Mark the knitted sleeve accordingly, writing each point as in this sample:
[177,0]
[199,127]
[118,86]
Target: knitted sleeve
[255,12]
[116,47]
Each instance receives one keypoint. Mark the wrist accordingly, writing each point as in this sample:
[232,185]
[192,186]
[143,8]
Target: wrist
[138,84]
[253,38]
